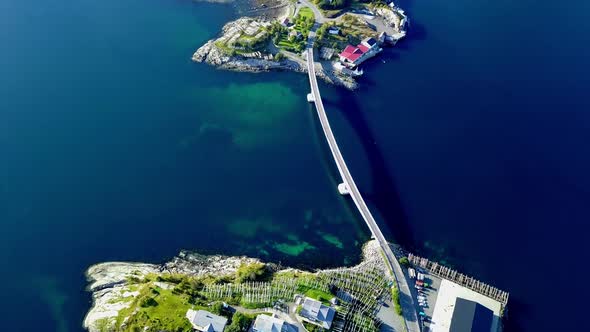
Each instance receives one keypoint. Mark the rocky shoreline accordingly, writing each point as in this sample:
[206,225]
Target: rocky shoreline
[213,55]
[111,283]
[108,282]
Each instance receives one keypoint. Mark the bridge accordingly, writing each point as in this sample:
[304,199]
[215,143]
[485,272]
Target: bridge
[349,187]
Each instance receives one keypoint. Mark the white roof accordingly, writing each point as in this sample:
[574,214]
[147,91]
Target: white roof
[265,323]
[315,310]
[205,321]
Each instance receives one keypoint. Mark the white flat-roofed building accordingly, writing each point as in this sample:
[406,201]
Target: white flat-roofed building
[459,309]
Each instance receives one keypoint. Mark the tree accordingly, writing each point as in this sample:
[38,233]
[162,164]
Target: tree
[251,272]
[396,301]
[239,323]
[404,262]
[217,308]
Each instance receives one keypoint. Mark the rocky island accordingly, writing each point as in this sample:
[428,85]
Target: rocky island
[233,294]
[148,297]
[241,292]
[274,34]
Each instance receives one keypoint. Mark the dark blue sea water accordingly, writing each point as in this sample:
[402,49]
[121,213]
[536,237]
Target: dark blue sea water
[470,142]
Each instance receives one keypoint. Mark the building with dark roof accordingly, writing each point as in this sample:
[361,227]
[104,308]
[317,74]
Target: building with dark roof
[460,309]
[470,316]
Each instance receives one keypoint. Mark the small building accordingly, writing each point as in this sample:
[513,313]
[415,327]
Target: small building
[470,316]
[355,55]
[334,30]
[316,313]
[285,22]
[204,321]
[459,309]
[370,43]
[265,323]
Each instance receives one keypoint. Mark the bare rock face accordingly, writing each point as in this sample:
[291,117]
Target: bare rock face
[110,289]
[194,264]
[107,284]
[213,55]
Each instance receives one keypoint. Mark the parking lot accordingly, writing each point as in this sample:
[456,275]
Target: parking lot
[429,293]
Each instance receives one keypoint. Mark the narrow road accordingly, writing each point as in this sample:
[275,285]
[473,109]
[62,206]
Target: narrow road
[409,309]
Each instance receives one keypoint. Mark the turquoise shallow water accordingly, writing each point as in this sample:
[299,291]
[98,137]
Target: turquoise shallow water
[115,146]
[468,142]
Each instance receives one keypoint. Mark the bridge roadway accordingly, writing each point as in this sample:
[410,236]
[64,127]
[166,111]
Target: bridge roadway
[407,302]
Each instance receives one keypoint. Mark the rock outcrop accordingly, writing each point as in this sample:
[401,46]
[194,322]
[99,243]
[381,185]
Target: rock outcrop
[109,282]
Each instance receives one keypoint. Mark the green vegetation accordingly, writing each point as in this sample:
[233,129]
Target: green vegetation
[312,328]
[304,21]
[252,272]
[306,14]
[352,31]
[241,42]
[163,308]
[103,325]
[395,299]
[404,262]
[293,39]
[217,308]
[332,4]
[281,38]
[239,323]
[157,310]
[316,294]
[279,57]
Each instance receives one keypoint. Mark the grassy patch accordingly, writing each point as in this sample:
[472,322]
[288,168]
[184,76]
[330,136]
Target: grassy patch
[306,13]
[315,294]
[156,309]
[395,299]
[253,272]
[352,31]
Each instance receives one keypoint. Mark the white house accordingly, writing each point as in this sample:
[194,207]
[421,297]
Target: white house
[204,321]
[265,323]
[316,313]
[353,56]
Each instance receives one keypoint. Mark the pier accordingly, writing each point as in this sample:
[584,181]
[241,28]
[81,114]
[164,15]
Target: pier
[348,187]
[475,285]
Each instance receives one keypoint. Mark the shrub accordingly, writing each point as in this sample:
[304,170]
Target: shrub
[217,308]
[147,301]
[239,323]
[279,56]
[395,299]
[404,262]
[251,272]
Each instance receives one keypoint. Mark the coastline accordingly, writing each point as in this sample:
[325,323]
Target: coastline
[213,55]
[112,284]
[245,44]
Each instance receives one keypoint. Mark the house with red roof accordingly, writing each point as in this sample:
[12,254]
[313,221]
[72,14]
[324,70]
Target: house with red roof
[353,56]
